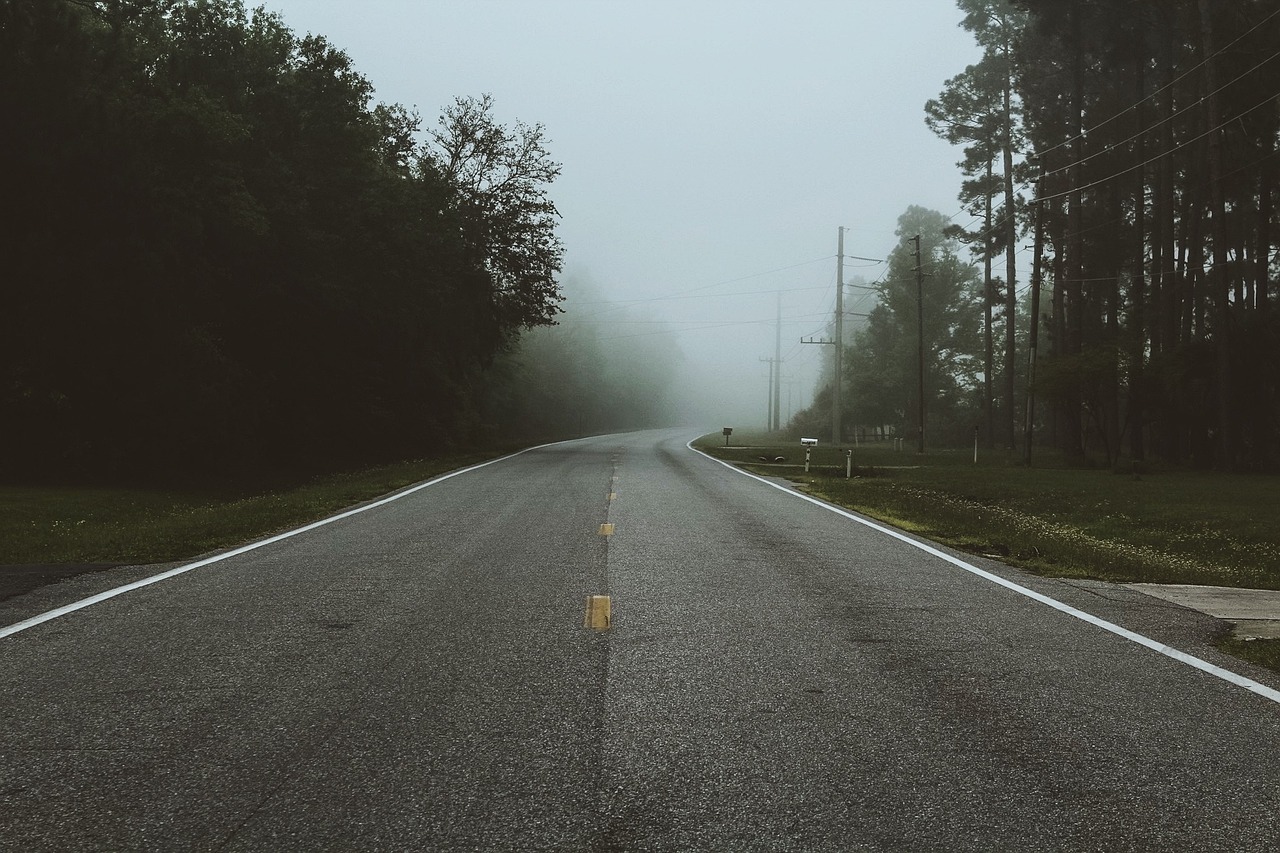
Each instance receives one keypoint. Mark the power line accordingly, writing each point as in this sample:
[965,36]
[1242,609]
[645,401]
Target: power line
[983,235]
[694,329]
[1084,133]
[1119,220]
[998,224]
[1177,114]
[795,319]
[1168,85]
[1124,219]
[661,322]
[1265,102]
[617,306]
[682,293]
[623,304]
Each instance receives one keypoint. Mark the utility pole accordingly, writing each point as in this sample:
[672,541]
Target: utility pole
[821,342]
[774,409]
[768,409]
[777,374]
[837,433]
[920,338]
[1034,333]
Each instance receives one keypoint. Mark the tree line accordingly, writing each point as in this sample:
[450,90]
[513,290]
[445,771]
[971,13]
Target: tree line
[1133,144]
[220,252]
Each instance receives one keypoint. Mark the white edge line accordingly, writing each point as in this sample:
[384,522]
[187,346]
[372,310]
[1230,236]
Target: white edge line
[1168,651]
[10,630]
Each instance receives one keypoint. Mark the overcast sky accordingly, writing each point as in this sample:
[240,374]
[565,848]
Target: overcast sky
[704,144]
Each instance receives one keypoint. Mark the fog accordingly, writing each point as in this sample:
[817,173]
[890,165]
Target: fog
[710,151]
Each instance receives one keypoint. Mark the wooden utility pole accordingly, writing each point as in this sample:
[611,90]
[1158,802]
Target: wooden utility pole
[769,412]
[836,431]
[777,373]
[920,339]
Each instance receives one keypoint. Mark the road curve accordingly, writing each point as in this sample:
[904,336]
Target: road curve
[776,677]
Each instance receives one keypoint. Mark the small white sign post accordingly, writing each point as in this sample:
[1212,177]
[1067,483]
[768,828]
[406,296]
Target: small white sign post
[809,444]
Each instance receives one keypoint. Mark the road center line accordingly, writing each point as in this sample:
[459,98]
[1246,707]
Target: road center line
[1168,651]
[10,630]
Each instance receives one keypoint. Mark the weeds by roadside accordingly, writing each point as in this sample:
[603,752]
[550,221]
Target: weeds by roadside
[1264,653]
[1189,527]
[57,524]
[1172,527]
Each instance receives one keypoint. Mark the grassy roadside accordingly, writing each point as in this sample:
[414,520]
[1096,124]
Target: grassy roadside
[1264,653]
[1164,527]
[54,524]
[1188,527]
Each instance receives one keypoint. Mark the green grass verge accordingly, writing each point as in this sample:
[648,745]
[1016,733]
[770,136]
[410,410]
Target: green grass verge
[1190,527]
[1265,653]
[55,524]
[1169,526]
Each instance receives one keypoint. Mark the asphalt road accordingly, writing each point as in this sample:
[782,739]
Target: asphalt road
[776,677]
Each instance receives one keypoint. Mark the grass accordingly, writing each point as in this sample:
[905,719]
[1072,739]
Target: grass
[1169,526]
[65,524]
[1191,527]
[1264,653]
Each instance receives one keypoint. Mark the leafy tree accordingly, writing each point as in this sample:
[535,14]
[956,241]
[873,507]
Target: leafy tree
[226,255]
[1156,126]
[499,175]
[883,358]
[980,107]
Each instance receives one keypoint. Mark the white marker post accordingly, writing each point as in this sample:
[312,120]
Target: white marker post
[809,444]
[848,464]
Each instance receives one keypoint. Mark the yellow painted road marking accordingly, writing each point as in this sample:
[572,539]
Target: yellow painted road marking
[613,496]
[606,529]
[598,615]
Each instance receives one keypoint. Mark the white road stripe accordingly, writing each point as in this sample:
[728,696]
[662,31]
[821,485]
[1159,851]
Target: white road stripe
[10,630]
[1191,660]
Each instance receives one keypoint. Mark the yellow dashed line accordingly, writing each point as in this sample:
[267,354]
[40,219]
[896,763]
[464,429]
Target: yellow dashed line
[613,496]
[606,529]
[598,616]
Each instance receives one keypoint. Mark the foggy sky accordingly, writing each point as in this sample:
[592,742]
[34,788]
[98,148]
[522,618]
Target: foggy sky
[704,144]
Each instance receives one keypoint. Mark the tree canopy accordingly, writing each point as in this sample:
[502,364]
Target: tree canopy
[221,252]
[1155,125]
[883,359]
[1154,129]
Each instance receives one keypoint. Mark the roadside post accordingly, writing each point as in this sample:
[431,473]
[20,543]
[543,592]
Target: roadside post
[975,444]
[728,431]
[848,464]
[809,444]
